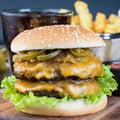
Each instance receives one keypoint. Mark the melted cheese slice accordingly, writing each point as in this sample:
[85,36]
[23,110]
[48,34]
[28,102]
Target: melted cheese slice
[68,87]
[87,68]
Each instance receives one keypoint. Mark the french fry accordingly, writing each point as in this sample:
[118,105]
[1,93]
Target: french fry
[117,24]
[110,28]
[114,24]
[113,18]
[100,23]
[75,20]
[85,17]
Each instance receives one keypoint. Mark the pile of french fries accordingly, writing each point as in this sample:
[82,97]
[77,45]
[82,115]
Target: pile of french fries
[101,24]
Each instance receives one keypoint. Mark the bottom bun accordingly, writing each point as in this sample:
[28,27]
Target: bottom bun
[69,108]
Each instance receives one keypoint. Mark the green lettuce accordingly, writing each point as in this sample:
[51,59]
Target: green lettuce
[22,100]
[107,86]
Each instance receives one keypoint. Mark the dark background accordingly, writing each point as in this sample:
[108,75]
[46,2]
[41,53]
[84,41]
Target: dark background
[105,6]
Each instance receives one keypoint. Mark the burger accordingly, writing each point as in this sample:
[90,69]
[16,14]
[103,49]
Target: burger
[56,72]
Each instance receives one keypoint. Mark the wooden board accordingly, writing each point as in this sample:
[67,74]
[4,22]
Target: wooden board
[111,112]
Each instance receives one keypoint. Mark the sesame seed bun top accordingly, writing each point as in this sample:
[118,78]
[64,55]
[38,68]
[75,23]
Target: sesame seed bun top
[56,37]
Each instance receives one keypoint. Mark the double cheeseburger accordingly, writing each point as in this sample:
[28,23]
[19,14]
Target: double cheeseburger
[57,74]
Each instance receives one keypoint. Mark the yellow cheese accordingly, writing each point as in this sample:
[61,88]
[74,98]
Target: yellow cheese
[68,87]
[88,68]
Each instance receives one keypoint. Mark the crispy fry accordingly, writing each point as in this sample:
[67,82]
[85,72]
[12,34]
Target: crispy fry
[110,28]
[117,24]
[75,20]
[100,23]
[85,16]
[112,18]
[114,24]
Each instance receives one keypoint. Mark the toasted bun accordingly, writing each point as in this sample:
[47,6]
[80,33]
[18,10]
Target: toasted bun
[55,37]
[71,108]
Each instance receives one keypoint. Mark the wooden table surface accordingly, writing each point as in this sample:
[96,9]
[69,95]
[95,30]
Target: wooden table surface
[111,112]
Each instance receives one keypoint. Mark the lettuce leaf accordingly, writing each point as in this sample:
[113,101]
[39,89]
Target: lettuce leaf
[107,86]
[107,82]
[20,100]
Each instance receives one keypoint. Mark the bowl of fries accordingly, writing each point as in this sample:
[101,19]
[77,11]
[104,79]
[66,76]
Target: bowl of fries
[101,24]
[107,27]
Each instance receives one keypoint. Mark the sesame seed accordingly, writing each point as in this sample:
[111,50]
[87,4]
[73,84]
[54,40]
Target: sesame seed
[25,31]
[89,33]
[55,34]
[29,38]
[63,35]
[49,40]
[87,29]
[50,29]
[61,39]
[40,37]
[28,33]
[63,31]
[79,31]
[77,36]
[66,39]
[87,38]
[39,28]
[78,41]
